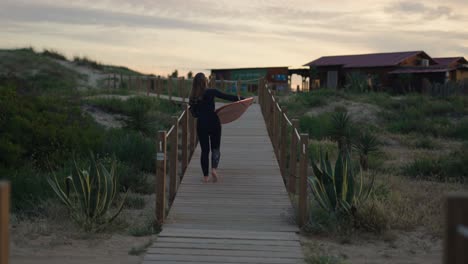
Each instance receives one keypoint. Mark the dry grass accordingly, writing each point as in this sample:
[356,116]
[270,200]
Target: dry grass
[417,204]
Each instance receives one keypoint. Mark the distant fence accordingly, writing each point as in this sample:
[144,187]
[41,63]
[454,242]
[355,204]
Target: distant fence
[291,148]
[4,222]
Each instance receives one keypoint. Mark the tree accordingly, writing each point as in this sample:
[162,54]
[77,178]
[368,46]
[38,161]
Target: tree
[190,75]
[174,74]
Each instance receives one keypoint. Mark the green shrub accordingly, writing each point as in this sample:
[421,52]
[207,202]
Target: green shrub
[54,54]
[451,167]
[424,167]
[147,228]
[338,190]
[372,217]
[365,144]
[130,147]
[459,130]
[135,201]
[85,61]
[424,143]
[43,130]
[356,82]
[317,127]
[342,131]
[88,194]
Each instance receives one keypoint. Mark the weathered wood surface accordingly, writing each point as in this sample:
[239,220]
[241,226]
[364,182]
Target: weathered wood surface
[246,217]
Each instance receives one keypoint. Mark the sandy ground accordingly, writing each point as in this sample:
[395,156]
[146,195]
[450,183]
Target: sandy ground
[55,249]
[93,76]
[358,112]
[402,248]
[55,239]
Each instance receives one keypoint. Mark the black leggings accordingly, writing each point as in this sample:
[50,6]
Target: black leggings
[209,134]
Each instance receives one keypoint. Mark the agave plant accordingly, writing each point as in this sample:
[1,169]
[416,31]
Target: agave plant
[365,144]
[89,195]
[338,190]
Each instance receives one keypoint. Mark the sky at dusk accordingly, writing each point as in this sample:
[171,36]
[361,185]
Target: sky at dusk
[156,36]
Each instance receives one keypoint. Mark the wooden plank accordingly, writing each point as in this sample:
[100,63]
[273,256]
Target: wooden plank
[4,222]
[252,252]
[224,241]
[201,233]
[220,259]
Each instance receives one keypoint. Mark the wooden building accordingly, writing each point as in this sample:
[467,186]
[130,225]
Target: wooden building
[277,76]
[388,71]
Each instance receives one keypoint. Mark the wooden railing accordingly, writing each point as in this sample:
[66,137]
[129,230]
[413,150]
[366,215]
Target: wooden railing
[290,147]
[174,147]
[4,221]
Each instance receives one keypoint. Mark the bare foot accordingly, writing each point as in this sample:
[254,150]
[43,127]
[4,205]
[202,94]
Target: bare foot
[206,179]
[214,174]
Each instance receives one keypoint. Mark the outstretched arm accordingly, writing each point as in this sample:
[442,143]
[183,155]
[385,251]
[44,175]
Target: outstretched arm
[228,97]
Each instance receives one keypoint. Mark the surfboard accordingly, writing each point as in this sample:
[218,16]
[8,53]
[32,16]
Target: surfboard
[231,112]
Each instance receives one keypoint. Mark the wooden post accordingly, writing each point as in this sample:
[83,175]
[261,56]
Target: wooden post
[169,88]
[179,87]
[456,237]
[293,158]
[185,128]
[193,134]
[273,122]
[148,85]
[161,178]
[173,160]
[284,133]
[182,89]
[139,83]
[159,87]
[4,222]
[115,81]
[302,203]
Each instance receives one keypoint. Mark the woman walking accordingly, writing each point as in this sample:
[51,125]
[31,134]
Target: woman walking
[202,106]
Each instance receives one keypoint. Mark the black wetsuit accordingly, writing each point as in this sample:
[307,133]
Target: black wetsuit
[209,127]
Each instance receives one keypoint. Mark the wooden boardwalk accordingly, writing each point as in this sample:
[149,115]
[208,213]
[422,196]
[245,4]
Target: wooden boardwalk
[247,217]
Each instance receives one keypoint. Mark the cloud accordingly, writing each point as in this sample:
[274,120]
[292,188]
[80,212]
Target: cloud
[415,8]
[37,13]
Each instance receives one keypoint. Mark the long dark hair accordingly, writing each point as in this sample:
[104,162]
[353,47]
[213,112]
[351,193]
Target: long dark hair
[198,87]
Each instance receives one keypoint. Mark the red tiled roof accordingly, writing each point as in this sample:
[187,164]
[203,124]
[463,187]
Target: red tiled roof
[446,61]
[364,60]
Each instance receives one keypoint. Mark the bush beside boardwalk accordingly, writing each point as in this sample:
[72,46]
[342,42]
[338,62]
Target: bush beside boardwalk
[45,127]
[421,159]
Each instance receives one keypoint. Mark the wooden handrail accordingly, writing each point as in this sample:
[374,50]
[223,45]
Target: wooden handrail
[278,124]
[173,160]
[4,222]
